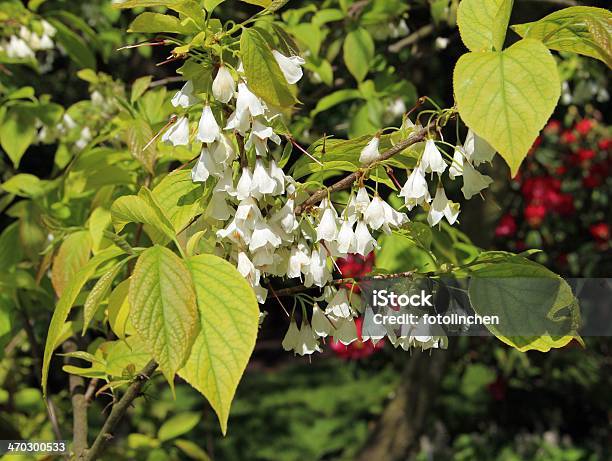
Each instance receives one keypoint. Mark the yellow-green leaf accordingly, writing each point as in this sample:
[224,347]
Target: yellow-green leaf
[483,23]
[584,30]
[163,308]
[358,52]
[180,198]
[506,97]
[72,255]
[229,316]
[17,132]
[119,310]
[97,294]
[72,290]
[536,308]
[263,73]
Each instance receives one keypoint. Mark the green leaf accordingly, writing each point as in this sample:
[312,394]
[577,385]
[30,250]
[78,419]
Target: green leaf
[148,22]
[358,52]
[25,185]
[335,98]
[119,310]
[180,198]
[580,29]
[17,132]
[78,50]
[97,294]
[163,308]
[483,23]
[72,290]
[140,209]
[138,136]
[189,8]
[10,248]
[528,298]
[210,5]
[507,97]
[192,450]
[178,425]
[139,86]
[72,255]
[271,5]
[263,73]
[229,317]
[126,353]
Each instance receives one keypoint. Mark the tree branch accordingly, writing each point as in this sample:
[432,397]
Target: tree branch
[76,385]
[118,412]
[298,289]
[346,182]
[412,38]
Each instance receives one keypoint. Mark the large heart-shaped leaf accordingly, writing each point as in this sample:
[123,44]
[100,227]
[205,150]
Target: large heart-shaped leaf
[163,308]
[506,97]
[580,29]
[229,316]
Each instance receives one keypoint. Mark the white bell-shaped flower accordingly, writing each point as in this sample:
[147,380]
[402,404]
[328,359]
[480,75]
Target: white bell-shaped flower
[432,161]
[328,226]
[262,182]
[364,242]
[263,236]
[439,204]
[290,341]
[204,167]
[243,188]
[320,323]
[247,269]
[375,213]
[225,185]
[456,168]
[17,48]
[473,181]
[223,85]
[477,149]
[290,66]
[278,175]
[339,305]
[208,129]
[317,272]
[415,189]
[286,218]
[346,331]
[298,259]
[248,102]
[370,152]
[178,133]
[393,217]
[218,208]
[223,151]
[239,121]
[307,341]
[259,136]
[248,211]
[236,231]
[451,212]
[346,238]
[362,200]
[185,97]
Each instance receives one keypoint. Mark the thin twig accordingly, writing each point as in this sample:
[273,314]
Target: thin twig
[412,38]
[76,385]
[348,181]
[118,412]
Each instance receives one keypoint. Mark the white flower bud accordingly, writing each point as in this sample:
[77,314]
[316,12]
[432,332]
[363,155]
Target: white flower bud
[208,129]
[262,181]
[432,160]
[204,167]
[362,201]
[223,85]
[243,188]
[328,226]
[375,213]
[415,188]
[290,341]
[184,97]
[456,168]
[307,342]
[346,238]
[320,323]
[248,102]
[370,153]
[364,242]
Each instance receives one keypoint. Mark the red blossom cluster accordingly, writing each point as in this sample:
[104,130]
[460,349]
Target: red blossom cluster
[356,266]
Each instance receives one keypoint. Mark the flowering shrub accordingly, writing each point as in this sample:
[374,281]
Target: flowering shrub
[560,203]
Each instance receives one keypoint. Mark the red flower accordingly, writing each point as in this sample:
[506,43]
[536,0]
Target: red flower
[584,126]
[357,349]
[568,137]
[535,214]
[540,189]
[564,204]
[506,226]
[605,144]
[585,155]
[600,231]
[553,127]
[355,266]
[561,170]
[497,389]
[595,175]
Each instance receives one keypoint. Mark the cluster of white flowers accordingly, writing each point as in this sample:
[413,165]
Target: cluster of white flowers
[253,201]
[26,43]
